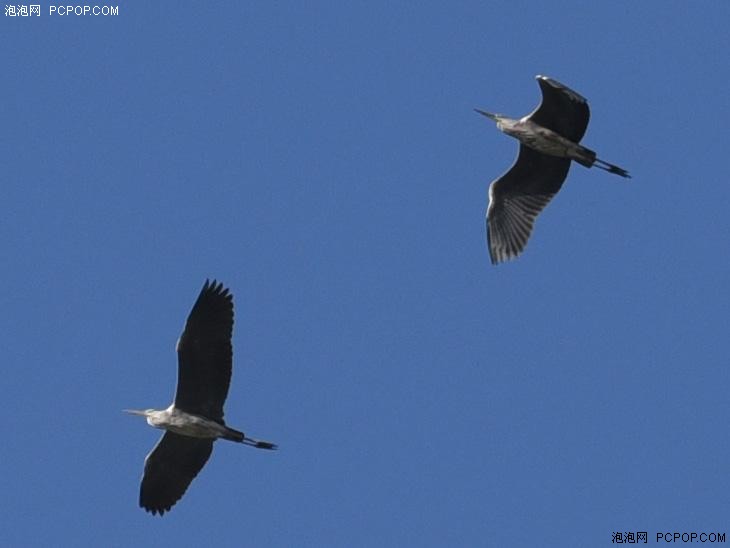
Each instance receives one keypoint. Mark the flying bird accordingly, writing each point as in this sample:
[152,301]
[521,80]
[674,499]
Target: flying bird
[195,419]
[549,138]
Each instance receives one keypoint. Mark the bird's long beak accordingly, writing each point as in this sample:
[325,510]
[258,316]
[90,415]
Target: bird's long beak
[134,412]
[487,114]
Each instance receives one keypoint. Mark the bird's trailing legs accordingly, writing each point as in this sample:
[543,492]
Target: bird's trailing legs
[611,168]
[239,437]
[258,443]
[588,158]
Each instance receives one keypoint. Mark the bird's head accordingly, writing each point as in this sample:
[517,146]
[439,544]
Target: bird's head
[487,114]
[140,412]
[498,118]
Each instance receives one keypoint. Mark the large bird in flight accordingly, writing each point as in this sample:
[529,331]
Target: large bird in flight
[195,419]
[549,138]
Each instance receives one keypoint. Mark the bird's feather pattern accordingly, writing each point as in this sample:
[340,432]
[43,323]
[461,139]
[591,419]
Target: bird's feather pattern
[205,354]
[517,197]
[169,469]
[562,110]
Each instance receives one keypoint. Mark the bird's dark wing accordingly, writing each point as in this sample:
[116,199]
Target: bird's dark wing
[169,469]
[517,197]
[204,354]
[561,109]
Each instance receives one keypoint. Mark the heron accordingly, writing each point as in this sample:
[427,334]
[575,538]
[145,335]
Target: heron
[195,418]
[549,138]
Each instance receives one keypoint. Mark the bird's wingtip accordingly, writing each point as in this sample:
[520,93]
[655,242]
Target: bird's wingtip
[572,94]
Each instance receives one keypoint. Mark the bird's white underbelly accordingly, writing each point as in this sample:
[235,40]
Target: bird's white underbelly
[542,139]
[187,424]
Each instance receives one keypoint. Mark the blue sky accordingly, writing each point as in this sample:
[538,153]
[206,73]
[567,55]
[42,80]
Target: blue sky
[325,163]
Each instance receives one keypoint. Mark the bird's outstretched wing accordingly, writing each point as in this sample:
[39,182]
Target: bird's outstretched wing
[205,354]
[561,109]
[517,197]
[169,469]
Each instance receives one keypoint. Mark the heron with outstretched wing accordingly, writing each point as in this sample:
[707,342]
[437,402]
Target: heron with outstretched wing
[195,419]
[549,138]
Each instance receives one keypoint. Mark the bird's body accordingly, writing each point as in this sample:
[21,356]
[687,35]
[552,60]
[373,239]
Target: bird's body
[545,140]
[195,419]
[176,420]
[549,138]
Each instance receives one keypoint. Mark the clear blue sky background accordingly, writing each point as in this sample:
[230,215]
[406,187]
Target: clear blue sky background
[325,163]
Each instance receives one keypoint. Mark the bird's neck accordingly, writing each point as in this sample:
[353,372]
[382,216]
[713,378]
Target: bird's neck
[157,417]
